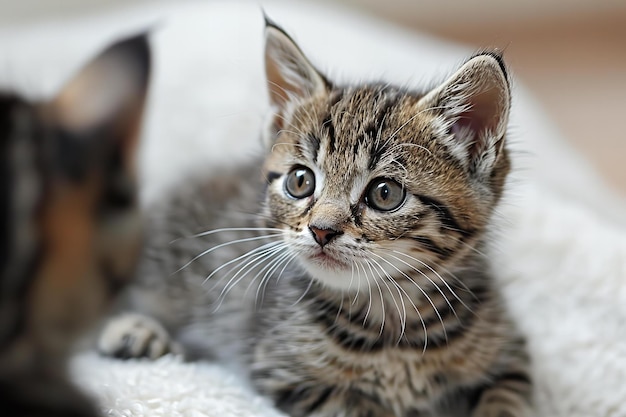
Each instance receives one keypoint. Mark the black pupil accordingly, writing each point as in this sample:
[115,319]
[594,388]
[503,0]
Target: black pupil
[301,178]
[384,191]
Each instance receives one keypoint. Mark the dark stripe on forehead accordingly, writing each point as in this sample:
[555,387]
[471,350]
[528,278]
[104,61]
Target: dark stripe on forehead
[329,129]
[314,144]
[375,129]
[327,124]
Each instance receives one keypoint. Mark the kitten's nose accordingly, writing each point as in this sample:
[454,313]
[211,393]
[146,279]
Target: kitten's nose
[323,236]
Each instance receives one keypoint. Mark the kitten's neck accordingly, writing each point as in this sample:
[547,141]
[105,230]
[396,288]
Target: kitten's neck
[426,309]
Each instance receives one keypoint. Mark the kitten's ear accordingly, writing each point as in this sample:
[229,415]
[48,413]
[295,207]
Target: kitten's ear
[104,102]
[289,73]
[475,103]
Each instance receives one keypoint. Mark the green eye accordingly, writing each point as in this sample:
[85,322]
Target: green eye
[300,182]
[384,194]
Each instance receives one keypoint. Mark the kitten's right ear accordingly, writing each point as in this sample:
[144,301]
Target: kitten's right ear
[289,73]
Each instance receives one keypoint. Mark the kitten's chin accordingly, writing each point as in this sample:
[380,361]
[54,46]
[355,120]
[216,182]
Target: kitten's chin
[333,273]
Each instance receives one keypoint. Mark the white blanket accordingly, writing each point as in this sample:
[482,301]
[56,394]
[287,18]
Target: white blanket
[561,256]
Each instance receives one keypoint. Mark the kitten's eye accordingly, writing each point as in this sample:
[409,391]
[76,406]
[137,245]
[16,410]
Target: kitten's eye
[300,182]
[384,194]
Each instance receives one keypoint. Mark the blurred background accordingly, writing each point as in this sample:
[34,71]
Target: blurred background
[571,54]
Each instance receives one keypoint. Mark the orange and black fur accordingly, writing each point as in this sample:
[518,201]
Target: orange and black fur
[345,269]
[69,227]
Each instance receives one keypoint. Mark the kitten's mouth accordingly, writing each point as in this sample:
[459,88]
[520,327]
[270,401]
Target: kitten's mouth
[325,260]
[331,268]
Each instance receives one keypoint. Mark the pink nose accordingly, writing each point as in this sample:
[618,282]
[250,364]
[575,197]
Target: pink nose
[323,236]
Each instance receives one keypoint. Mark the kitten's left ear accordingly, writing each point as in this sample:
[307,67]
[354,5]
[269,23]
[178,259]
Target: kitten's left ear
[475,103]
[289,73]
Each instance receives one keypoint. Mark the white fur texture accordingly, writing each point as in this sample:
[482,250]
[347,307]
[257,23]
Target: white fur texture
[561,254]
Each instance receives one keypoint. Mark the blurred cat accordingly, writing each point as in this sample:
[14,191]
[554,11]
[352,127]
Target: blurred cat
[69,226]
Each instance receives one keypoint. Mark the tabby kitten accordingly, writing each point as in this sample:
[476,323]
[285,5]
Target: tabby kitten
[69,228]
[359,288]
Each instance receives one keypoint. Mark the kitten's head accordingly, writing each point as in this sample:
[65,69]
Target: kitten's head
[70,227]
[373,179]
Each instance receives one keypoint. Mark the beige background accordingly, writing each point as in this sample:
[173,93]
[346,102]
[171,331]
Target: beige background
[570,53]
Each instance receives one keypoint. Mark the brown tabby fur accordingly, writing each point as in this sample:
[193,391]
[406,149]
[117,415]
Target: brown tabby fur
[338,305]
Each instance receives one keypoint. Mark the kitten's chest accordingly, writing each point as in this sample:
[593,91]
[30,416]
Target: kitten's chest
[297,344]
[402,380]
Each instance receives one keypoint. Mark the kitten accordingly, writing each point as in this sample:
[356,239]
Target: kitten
[359,287]
[70,230]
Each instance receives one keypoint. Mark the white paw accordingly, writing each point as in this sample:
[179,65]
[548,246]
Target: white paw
[134,335]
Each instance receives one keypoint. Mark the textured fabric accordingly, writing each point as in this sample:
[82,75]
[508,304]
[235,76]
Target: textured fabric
[167,387]
[560,253]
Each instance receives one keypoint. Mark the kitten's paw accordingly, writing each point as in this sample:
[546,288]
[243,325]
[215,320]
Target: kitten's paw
[134,335]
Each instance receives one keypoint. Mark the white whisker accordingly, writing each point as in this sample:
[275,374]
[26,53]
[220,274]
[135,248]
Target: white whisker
[280,274]
[356,294]
[369,303]
[438,276]
[250,265]
[393,298]
[229,229]
[260,249]
[402,316]
[429,280]
[304,293]
[382,301]
[340,309]
[471,247]
[414,306]
[269,270]
[232,242]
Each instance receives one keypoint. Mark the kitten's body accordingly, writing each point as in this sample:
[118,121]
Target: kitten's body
[70,228]
[364,292]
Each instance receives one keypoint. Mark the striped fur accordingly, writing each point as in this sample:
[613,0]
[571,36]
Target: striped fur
[358,287]
[70,229]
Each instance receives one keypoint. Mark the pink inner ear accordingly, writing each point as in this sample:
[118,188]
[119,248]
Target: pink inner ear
[484,113]
[482,116]
[278,86]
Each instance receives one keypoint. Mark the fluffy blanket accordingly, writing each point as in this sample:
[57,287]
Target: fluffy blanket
[561,256]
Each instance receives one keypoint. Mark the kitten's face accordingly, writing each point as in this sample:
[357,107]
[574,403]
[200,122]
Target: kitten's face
[374,181]
[71,228]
